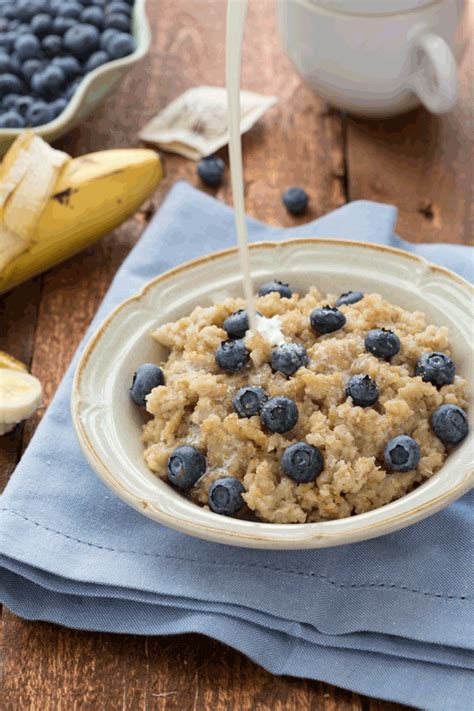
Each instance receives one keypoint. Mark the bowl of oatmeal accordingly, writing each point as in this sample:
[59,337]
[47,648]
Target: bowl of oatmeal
[344,416]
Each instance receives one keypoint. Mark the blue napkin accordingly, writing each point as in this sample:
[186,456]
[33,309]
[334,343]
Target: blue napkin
[389,618]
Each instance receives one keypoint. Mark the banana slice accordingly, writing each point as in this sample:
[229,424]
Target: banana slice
[20,396]
[8,361]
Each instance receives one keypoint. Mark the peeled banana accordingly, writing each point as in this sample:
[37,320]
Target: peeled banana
[20,392]
[52,206]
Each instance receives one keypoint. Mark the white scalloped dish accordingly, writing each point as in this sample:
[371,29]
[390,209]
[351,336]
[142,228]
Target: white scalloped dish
[108,425]
[95,86]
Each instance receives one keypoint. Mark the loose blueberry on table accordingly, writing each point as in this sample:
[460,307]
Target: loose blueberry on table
[47,47]
[211,171]
[260,405]
[295,200]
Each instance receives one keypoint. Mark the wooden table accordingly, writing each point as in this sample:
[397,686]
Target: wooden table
[418,162]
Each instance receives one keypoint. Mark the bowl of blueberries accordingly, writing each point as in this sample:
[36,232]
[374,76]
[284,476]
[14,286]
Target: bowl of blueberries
[60,58]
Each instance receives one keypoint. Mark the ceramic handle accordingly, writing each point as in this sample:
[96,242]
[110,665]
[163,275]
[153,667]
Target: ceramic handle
[435,79]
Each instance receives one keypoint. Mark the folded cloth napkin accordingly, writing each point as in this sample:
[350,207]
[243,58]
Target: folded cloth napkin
[389,617]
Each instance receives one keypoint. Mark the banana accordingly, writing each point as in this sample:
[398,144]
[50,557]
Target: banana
[52,206]
[20,393]
[8,361]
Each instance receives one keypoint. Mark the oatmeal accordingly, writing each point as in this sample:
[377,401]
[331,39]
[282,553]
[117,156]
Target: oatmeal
[327,411]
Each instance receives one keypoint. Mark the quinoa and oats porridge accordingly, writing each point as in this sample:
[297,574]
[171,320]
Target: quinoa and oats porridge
[335,406]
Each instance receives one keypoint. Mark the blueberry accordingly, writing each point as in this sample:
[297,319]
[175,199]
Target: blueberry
[382,343]
[288,357]
[15,64]
[23,103]
[279,414]
[449,423]
[72,88]
[363,390]
[237,324]
[295,200]
[327,319]
[27,46]
[211,171]
[225,496]
[70,9]
[10,84]
[97,59]
[118,6]
[9,11]
[105,38]
[401,454]
[22,29]
[9,101]
[93,16]
[62,24]
[59,105]
[436,368]
[42,24]
[27,9]
[120,45]
[185,466]
[4,24]
[48,82]
[280,287]
[81,40]
[232,356]
[39,113]
[30,67]
[11,119]
[349,297]
[52,45]
[117,21]
[147,377]
[69,65]
[302,462]
[5,64]
[7,40]
[248,401]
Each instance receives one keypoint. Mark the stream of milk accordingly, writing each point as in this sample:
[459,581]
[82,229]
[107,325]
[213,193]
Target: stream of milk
[236,12]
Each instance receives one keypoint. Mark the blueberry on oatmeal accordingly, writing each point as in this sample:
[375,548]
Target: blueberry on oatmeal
[382,343]
[237,324]
[302,462]
[402,454]
[363,390]
[279,414]
[288,358]
[326,320]
[449,423]
[185,466]
[280,287]
[349,297]
[436,368]
[225,496]
[147,377]
[232,356]
[249,401]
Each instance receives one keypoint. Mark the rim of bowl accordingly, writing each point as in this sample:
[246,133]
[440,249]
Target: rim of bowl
[218,532]
[141,34]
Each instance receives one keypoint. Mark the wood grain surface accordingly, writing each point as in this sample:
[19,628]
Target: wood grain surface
[420,163]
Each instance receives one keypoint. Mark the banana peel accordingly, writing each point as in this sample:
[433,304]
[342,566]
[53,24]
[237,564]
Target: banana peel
[53,206]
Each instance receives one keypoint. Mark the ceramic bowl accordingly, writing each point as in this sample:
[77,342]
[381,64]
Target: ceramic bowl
[94,87]
[109,426]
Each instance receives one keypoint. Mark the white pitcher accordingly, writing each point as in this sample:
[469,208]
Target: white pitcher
[377,57]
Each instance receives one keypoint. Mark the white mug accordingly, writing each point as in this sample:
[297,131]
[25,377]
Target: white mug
[377,57]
